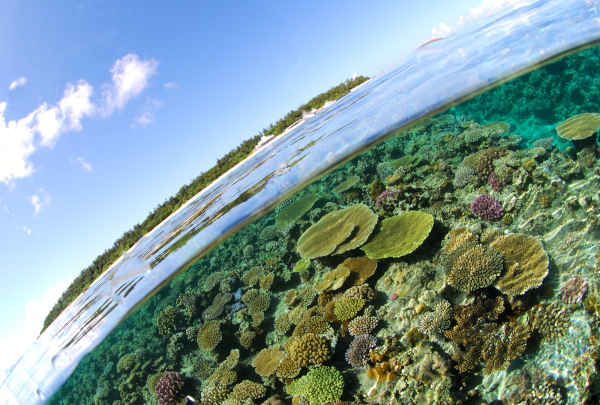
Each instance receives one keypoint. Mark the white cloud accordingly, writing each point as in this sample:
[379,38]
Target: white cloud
[40,201]
[171,86]
[26,230]
[477,14]
[20,82]
[146,114]
[43,127]
[86,166]
[23,336]
[130,76]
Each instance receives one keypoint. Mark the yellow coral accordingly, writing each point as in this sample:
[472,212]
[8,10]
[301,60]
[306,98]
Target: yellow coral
[247,390]
[525,263]
[347,307]
[457,237]
[579,126]
[209,335]
[333,279]
[266,281]
[246,338]
[308,349]
[267,361]
[288,368]
[250,278]
[472,266]
[313,324]
[361,268]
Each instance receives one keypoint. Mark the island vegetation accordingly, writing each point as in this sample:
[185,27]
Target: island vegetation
[162,211]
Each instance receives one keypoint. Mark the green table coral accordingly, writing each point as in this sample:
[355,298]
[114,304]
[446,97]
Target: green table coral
[399,235]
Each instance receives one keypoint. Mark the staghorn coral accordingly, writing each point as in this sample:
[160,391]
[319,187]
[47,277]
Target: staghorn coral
[573,290]
[217,307]
[209,335]
[361,268]
[337,232]
[413,226]
[503,345]
[550,321]
[347,307]
[168,322]
[267,361]
[288,368]
[470,266]
[438,320]
[487,207]
[307,349]
[525,263]
[362,325]
[169,388]
[294,211]
[357,354]
[319,386]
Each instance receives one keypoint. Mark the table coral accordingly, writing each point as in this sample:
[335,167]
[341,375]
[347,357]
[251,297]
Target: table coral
[361,268]
[347,307]
[525,263]
[412,226]
[294,211]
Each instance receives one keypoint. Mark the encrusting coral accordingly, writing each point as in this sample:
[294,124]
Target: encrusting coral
[399,235]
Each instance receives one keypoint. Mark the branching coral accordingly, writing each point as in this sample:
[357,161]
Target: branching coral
[438,320]
[503,345]
[209,335]
[550,321]
[212,280]
[288,368]
[472,266]
[487,207]
[357,354]
[319,386]
[256,301]
[312,324]
[246,390]
[347,307]
[338,232]
[525,263]
[573,290]
[169,388]
[399,235]
[168,322]
[362,325]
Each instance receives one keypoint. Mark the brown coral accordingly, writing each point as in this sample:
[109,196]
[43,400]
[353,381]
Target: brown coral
[266,281]
[435,322]
[362,325]
[247,390]
[308,349]
[312,324]
[216,309]
[256,301]
[503,345]
[283,323]
[338,232]
[212,280]
[361,268]
[485,161]
[457,237]
[250,278]
[209,335]
[246,338]
[525,263]
[550,321]
[472,266]
[333,279]
[362,291]
[579,126]
[288,368]
[267,361]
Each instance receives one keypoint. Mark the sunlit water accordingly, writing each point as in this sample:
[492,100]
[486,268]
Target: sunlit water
[435,77]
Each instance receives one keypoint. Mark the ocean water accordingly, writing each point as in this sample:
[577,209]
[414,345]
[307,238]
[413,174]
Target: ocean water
[456,262]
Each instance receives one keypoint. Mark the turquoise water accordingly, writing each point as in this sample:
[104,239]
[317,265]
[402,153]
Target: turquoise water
[449,325]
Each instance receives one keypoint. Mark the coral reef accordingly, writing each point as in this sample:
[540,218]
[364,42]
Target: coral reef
[362,325]
[209,335]
[346,308]
[438,320]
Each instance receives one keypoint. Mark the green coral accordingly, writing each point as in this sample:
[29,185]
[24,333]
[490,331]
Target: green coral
[302,265]
[295,210]
[338,232]
[406,161]
[347,307]
[319,386]
[399,235]
[346,185]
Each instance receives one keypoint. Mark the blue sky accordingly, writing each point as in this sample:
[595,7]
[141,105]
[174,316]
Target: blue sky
[107,108]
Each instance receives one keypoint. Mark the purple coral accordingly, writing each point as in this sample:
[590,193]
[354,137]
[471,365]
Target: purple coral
[169,388]
[385,195]
[357,354]
[487,207]
[573,290]
[494,182]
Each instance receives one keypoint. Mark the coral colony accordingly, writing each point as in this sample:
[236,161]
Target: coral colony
[420,272]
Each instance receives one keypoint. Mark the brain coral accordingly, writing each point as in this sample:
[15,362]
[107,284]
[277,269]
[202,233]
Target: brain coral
[267,361]
[472,266]
[338,232]
[579,126]
[294,211]
[362,325]
[319,386]
[209,335]
[525,263]
[346,307]
[399,235]
[307,349]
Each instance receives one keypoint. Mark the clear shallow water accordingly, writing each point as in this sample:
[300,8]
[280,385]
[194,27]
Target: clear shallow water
[436,76]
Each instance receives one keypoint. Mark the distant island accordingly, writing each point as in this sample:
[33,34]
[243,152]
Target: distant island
[172,204]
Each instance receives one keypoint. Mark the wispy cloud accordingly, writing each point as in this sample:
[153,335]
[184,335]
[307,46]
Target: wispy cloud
[477,14]
[86,166]
[19,139]
[26,230]
[20,82]
[171,86]
[40,201]
[23,336]
[146,114]
[130,76]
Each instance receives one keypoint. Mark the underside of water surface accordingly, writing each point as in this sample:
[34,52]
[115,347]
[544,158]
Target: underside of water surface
[457,262]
